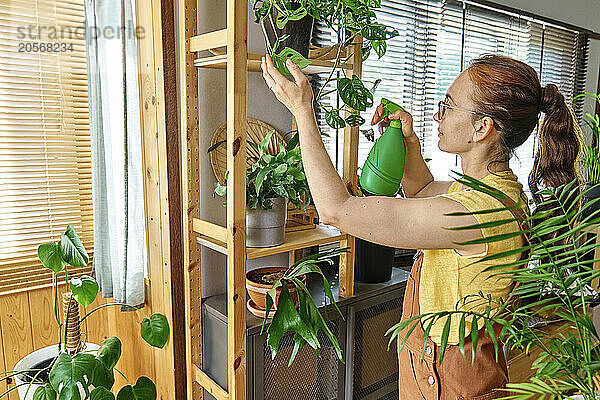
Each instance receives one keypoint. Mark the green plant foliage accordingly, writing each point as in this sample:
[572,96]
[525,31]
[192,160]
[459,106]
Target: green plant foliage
[281,175]
[101,393]
[155,330]
[84,289]
[144,389]
[280,59]
[72,249]
[555,279]
[93,371]
[44,393]
[67,372]
[591,153]
[354,93]
[307,321]
[51,257]
[355,17]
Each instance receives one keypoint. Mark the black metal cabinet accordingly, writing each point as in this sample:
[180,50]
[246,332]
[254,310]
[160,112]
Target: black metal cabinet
[369,371]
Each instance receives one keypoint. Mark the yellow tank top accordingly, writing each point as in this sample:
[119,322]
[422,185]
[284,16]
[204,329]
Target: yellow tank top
[445,277]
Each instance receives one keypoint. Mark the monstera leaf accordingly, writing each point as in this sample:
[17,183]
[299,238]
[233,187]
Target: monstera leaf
[101,393]
[84,289]
[44,393]
[155,330]
[67,372]
[354,93]
[51,257]
[144,389]
[280,58]
[72,249]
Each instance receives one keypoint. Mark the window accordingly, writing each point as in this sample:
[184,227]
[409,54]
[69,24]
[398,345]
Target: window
[436,42]
[45,158]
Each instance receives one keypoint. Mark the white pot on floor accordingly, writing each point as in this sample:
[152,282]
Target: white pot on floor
[25,390]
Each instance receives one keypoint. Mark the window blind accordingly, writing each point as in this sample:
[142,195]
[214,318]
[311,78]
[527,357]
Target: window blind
[45,158]
[437,40]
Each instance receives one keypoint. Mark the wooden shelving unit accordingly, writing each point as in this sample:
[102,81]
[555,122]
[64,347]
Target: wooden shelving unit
[229,51]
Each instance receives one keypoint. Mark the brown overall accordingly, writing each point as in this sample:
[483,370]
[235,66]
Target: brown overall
[456,378]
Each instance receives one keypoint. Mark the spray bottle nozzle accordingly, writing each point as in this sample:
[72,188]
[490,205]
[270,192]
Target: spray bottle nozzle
[390,107]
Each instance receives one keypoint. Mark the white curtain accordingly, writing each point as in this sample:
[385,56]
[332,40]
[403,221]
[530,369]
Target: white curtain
[117,185]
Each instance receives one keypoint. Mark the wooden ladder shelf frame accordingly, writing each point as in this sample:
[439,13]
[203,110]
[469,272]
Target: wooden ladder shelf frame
[232,239]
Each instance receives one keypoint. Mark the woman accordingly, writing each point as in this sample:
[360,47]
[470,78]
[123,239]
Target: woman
[489,110]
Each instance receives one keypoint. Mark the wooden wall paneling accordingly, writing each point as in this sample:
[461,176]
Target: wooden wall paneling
[3,367]
[15,320]
[43,325]
[350,165]
[95,327]
[237,55]
[190,192]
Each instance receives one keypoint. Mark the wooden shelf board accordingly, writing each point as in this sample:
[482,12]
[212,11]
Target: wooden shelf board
[293,241]
[220,62]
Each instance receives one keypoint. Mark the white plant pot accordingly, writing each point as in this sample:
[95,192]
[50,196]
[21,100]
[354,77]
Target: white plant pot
[37,357]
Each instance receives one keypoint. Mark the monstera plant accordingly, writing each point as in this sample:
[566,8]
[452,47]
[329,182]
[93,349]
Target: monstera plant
[83,373]
[348,18]
[555,280]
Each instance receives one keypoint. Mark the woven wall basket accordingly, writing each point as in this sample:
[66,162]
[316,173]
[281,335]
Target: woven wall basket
[257,130]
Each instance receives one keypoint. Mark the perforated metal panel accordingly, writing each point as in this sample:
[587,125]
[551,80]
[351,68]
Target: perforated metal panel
[310,376]
[374,368]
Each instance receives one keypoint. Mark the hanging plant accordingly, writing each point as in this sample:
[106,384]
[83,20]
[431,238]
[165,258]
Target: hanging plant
[349,19]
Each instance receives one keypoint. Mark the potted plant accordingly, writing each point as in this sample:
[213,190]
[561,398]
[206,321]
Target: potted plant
[271,181]
[70,370]
[558,279]
[306,321]
[349,19]
[260,280]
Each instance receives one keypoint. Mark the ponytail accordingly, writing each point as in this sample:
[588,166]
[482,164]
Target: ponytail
[556,160]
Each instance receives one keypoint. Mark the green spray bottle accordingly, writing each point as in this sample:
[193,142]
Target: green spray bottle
[384,167]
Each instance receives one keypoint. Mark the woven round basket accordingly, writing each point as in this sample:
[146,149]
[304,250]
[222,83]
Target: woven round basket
[257,131]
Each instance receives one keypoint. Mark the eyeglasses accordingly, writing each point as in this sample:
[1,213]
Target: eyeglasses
[442,107]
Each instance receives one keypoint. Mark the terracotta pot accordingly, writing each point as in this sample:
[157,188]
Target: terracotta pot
[258,291]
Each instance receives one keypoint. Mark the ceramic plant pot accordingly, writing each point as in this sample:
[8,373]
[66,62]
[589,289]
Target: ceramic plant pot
[266,228]
[260,280]
[40,359]
[300,33]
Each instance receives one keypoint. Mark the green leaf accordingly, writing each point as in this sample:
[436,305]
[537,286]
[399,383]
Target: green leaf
[72,249]
[216,145]
[110,352]
[461,335]
[281,169]
[51,257]
[297,58]
[355,120]
[102,376]
[263,146]
[474,338]
[44,393]
[260,178]
[144,389]
[155,331]
[444,339]
[68,371]
[293,142]
[354,94]
[287,319]
[334,120]
[84,289]
[101,393]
